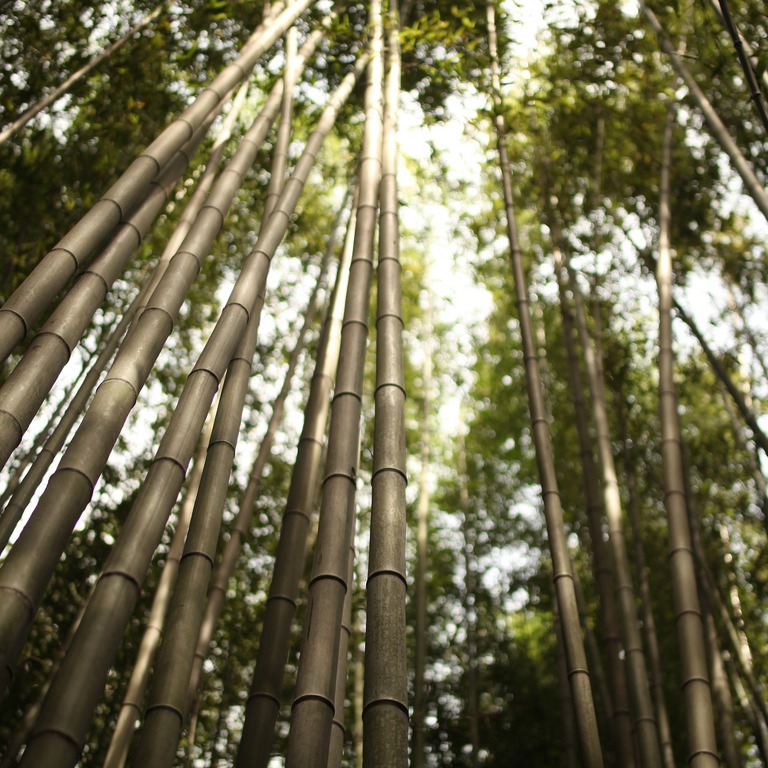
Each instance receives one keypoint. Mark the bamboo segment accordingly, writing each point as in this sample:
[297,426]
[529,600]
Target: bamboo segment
[13,128]
[581,691]
[50,276]
[30,564]
[385,712]
[64,720]
[312,710]
[696,691]
[263,704]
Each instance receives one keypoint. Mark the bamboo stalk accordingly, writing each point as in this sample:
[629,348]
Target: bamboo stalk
[312,710]
[581,691]
[688,618]
[385,710]
[263,703]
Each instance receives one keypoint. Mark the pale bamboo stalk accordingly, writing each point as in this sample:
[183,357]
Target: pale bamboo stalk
[696,691]
[641,707]
[338,729]
[648,618]
[418,725]
[133,699]
[308,481]
[733,594]
[14,127]
[581,690]
[50,276]
[63,722]
[312,709]
[24,493]
[718,130]
[570,743]
[385,711]
[29,566]
[165,711]
[263,703]
[471,609]
[749,416]
[751,711]
[618,704]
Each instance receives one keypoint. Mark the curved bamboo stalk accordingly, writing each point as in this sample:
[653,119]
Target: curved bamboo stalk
[690,628]
[53,272]
[584,708]
[263,703]
[13,128]
[385,710]
[642,711]
[63,722]
[29,566]
[150,641]
[312,710]
[719,132]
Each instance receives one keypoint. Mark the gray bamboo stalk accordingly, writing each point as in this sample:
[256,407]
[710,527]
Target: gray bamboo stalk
[165,712]
[581,690]
[719,132]
[29,566]
[133,700]
[24,493]
[746,66]
[63,722]
[263,704]
[71,253]
[422,548]
[637,677]
[751,711]
[312,709]
[696,689]
[749,416]
[338,729]
[306,481]
[14,127]
[385,712]
[471,606]
[359,699]
[570,743]
[618,703]
[649,620]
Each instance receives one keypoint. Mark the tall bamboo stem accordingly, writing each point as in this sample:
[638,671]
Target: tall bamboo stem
[581,690]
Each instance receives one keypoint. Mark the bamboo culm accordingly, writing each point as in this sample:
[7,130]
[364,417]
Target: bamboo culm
[581,690]
[72,252]
[263,703]
[71,486]
[385,709]
[128,563]
[312,710]
[699,716]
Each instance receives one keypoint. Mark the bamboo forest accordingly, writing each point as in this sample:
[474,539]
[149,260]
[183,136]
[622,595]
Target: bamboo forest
[383,386]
